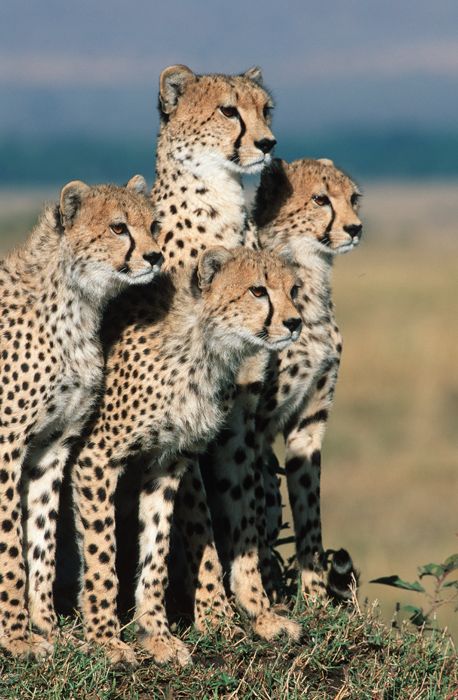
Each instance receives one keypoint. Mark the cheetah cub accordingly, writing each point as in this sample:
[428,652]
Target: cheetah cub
[53,290]
[307,212]
[171,359]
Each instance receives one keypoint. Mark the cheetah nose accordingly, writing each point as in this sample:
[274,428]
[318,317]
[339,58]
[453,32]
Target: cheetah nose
[154,259]
[293,324]
[265,145]
[354,230]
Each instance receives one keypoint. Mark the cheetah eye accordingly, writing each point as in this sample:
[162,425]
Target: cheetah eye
[154,228]
[321,199]
[354,199]
[294,291]
[267,111]
[229,112]
[258,292]
[119,229]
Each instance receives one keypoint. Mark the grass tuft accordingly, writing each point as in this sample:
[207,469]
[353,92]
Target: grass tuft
[343,654]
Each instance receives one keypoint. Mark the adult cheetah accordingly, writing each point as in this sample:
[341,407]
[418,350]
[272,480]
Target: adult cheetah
[54,287]
[213,129]
[307,212]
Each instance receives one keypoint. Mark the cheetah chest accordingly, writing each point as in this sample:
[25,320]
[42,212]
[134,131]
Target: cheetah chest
[296,372]
[74,391]
[73,398]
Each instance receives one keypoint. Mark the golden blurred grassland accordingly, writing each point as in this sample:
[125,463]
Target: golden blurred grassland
[390,464]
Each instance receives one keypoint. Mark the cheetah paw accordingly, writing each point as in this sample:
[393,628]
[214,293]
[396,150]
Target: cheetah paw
[313,585]
[164,649]
[116,651]
[269,625]
[208,619]
[65,636]
[32,647]
[210,623]
[45,623]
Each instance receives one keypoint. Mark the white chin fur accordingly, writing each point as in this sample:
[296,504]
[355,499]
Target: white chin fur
[246,338]
[278,345]
[141,277]
[100,282]
[249,168]
[344,248]
[208,163]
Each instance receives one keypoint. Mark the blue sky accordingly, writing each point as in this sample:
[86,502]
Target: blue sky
[93,65]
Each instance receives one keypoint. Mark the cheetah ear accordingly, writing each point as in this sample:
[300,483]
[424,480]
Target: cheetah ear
[254,74]
[172,84]
[326,161]
[210,263]
[137,183]
[71,197]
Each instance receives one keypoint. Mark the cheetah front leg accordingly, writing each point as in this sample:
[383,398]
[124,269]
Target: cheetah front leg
[157,500]
[239,493]
[269,515]
[95,477]
[304,437]
[42,483]
[16,636]
[211,606]
[250,549]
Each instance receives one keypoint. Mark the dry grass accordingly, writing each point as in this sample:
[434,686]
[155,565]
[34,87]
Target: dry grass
[18,213]
[341,656]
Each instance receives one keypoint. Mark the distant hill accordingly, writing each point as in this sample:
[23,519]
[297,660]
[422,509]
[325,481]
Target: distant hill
[396,153]
[367,154]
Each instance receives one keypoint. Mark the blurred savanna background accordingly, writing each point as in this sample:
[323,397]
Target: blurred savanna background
[374,86]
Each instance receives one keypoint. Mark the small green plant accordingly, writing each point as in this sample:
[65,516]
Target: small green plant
[444,592]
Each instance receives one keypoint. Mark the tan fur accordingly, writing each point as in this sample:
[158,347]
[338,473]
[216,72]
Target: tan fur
[53,291]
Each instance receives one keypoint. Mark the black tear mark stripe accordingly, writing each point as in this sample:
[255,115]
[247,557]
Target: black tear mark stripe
[125,267]
[268,320]
[238,140]
[325,239]
[131,248]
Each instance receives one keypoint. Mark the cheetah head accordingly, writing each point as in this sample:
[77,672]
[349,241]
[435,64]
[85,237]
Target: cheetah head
[108,230]
[308,203]
[217,120]
[249,297]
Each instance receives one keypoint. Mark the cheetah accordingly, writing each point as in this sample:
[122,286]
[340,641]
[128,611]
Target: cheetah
[84,251]
[307,212]
[214,128]
[299,399]
[171,355]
